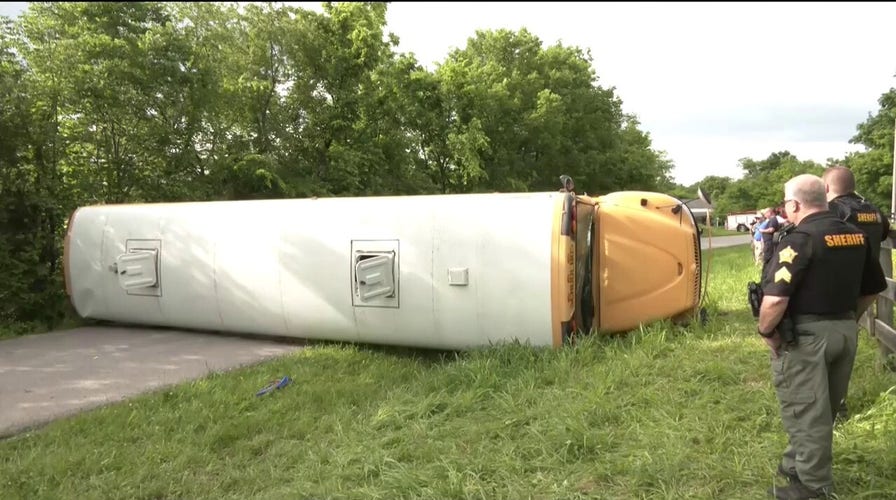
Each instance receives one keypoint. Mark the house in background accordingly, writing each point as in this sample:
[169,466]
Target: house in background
[702,211]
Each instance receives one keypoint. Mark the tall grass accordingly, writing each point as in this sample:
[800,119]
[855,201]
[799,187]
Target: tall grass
[663,412]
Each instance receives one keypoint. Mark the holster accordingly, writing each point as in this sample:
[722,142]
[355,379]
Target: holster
[784,231]
[785,326]
[786,330]
[754,297]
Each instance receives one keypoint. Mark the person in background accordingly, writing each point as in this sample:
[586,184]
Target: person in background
[782,217]
[758,251]
[847,205]
[840,187]
[768,237]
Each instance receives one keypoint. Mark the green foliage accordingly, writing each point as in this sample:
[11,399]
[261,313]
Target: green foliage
[523,115]
[674,189]
[119,102]
[761,186]
[873,168]
[253,177]
[663,412]
[715,186]
[30,209]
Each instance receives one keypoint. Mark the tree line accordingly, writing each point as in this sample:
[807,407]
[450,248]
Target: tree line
[120,102]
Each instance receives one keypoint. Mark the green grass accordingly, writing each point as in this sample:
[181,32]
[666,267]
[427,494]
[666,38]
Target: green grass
[663,412]
[718,231]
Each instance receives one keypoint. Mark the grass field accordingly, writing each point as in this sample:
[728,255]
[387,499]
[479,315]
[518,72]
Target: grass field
[663,412]
[718,231]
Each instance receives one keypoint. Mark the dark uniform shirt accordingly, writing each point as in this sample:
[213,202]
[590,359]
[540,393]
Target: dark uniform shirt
[857,211]
[773,223]
[824,265]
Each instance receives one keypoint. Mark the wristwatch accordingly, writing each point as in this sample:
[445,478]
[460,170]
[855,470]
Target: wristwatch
[766,335]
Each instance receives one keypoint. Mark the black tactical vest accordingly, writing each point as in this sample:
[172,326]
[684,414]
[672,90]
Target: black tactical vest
[862,214]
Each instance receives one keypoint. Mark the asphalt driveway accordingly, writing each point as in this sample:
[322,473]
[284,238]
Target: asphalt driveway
[725,241]
[52,375]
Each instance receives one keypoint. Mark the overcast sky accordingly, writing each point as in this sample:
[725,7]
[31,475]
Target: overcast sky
[711,82]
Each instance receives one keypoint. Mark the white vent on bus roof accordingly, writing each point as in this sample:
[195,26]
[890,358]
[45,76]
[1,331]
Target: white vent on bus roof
[138,269]
[375,273]
[374,276]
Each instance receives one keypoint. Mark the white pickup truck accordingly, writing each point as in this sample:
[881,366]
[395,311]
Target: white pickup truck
[741,221]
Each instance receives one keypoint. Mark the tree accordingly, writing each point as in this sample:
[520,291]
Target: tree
[30,226]
[637,165]
[339,123]
[761,186]
[715,186]
[873,168]
[521,115]
[118,78]
[753,168]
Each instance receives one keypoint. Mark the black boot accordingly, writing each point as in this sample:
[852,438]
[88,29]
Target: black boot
[791,475]
[796,491]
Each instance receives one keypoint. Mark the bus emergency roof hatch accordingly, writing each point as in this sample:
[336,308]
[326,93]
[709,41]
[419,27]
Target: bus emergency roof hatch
[137,269]
[375,277]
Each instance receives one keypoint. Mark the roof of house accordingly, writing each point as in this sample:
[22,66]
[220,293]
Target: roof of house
[697,203]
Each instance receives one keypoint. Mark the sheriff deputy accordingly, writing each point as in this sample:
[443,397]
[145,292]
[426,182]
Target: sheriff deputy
[823,275]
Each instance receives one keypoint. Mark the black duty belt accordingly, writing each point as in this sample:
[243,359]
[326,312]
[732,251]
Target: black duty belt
[799,319]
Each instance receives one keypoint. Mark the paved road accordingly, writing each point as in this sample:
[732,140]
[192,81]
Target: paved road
[44,377]
[725,241]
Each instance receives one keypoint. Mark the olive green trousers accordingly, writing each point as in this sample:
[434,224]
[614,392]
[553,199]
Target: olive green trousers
[811,378]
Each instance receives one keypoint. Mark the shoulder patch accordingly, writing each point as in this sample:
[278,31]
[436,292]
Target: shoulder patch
[782,275]
[868,217]
[787,255]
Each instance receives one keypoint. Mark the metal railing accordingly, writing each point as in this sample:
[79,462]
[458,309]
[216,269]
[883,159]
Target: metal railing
[879,320]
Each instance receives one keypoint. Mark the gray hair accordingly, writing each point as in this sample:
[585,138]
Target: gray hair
[807,189]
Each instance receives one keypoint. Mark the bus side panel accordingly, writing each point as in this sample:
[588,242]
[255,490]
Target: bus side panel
[470,269]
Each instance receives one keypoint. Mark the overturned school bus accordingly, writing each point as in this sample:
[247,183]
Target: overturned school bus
[441,271]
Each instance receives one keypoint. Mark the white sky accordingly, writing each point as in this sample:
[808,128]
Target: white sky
[711,82]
